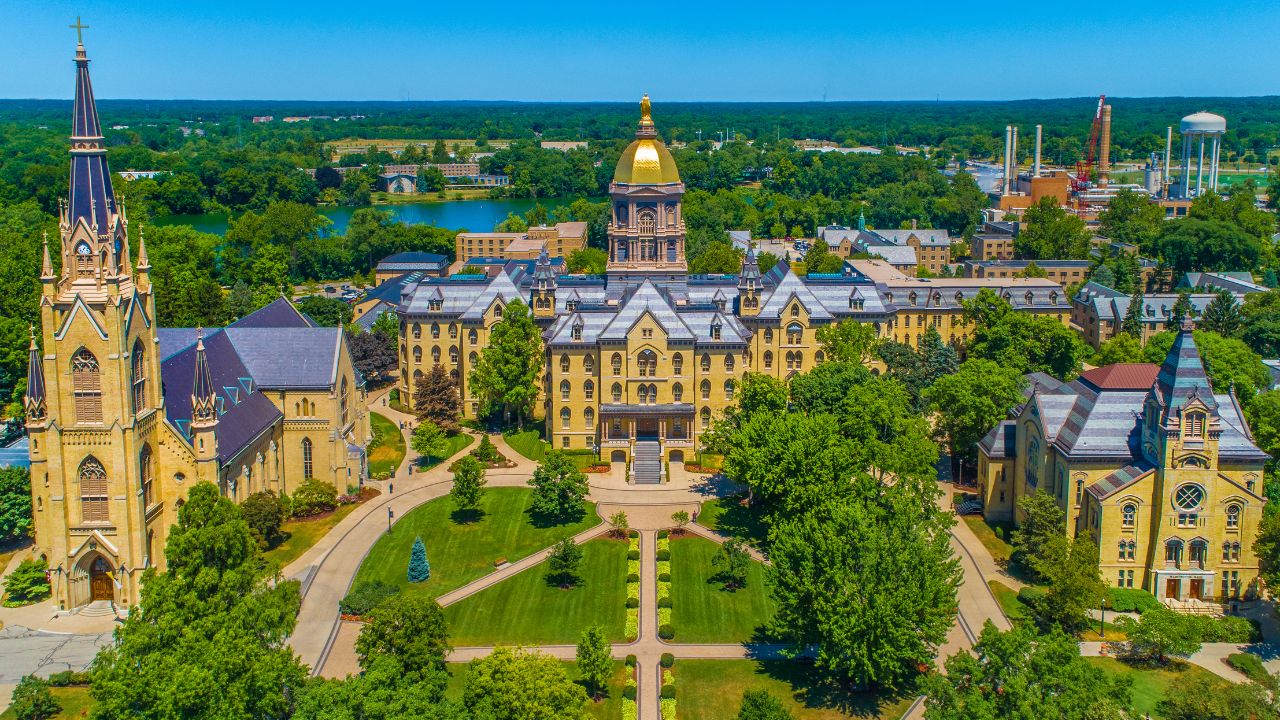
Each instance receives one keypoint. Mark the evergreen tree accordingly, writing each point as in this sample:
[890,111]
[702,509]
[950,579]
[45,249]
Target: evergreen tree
[1222,315]
[1102,274]
[468,483]
[419,568]
[1132,322]
[1180,311]
[595,659]
[435,398]
[508,375]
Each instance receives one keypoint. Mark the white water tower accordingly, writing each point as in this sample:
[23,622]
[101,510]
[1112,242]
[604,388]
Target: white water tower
[1207,130]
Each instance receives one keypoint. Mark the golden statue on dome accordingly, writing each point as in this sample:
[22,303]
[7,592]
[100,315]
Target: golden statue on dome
[645,117]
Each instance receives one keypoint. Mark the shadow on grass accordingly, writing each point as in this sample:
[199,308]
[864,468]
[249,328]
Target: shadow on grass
[467,516]
[742,520]
[543,521]
[812,690]
[562,581]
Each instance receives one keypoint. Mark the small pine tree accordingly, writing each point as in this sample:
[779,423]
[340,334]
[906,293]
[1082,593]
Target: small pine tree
[1222,315]
[1181,310]
[1132,322]
[419,568]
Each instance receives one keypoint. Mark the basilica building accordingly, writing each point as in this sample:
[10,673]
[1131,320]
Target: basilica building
[123,416]
[642,359]
[1146,460]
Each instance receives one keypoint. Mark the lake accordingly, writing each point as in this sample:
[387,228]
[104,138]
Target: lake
[473,215]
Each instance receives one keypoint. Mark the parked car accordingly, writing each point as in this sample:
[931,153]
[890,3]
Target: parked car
[330,289]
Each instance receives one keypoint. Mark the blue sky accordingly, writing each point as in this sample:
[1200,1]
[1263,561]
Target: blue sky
[492,50]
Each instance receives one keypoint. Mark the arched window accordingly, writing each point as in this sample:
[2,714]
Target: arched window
[589,419]
[1129,515]
[1173,551]
[453,355]
[728,389]
[728,363]
[795,311]
[589,364]
[644,394]
[818,357]
[705,417]
[472,359]
[768,359]
[768,335]
[616,363]
[93,492]
[139,363]
[706,389]
[344,400]
[1233,516]
[497,311]
[794,334]
[308,469]
[677,393]
[145,477]
[565,416]
[677,364]
[648,363]
[564,389]
[86,385]
[589,390]
[617,392]
[473,336]
[435,331]
[417,331]
[564,363]
[453,330]
[435,354]
[1199,552]
[706,363]
[417,354]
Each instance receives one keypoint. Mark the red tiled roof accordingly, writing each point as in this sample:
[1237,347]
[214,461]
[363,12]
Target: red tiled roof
[1122,376]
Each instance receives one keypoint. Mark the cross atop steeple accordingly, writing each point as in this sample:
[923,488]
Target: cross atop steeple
[79,28]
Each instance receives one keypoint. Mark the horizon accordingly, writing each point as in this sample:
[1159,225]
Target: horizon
[599,53]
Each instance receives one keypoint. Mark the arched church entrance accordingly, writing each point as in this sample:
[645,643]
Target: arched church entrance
[100,584]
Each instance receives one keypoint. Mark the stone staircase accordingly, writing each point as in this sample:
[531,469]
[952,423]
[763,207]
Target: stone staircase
[647,462]
[97,608]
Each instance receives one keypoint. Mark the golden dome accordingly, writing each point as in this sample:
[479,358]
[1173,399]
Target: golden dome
[646,161]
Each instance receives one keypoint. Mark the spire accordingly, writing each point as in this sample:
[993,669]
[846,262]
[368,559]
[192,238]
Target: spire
[143,263]
[46,264]
[750,273]
[91,196]
[204,403]
[542,274]
[862,220]
[34,401]
[1182,375]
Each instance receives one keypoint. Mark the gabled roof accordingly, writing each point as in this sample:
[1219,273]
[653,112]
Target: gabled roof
[790,286]
[279,314]
[647,298]
[1122,376]
[289,357]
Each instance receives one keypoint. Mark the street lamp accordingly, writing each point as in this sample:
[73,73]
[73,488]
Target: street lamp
[1102,622]
[390,514]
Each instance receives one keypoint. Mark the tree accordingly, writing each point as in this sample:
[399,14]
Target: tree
[1043,523]
[591,261]
[371,352]
[1204,697]
[595,660]
[1261,319]
[435,399]
[1132,322]
[970,402]
[1017,674]
[848,341]
[1028,342]
[1181,309]
[1050,232]
[1264,420]
[731,563]
[1102,274]
[419,568]
[15,503]
[1123,348]
[325,311]
[1159,634]
[468,483]
[265,513]
[717,258]
[618,521]
[1267,547]
[1131,218]
[27,583]
[820,259]
[1032,270]
[1194,244]
[558,487]
[885,552]
[1231,365]
[563,562]
[32,700]
[430,440]
[1222,315]
[508,375]
[680,518]
[214,618]
[520,684]
[824,388]
[409,627]
[1075,586]
[762,705]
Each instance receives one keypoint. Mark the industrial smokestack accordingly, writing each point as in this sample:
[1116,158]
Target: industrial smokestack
[1104,161]
[1168,150]
[1035,170]
[1008,141]
[1013,158]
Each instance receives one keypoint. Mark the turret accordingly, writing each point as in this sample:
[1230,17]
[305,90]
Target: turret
[749,285]
[34,401]
[143,277]
[204,405]
[544,287]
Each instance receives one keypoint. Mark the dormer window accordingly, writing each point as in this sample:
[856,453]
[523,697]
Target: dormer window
[577,332]
[795,311]
[1029,298]
[434,305]
[572,305]
[912,299]
[715,331]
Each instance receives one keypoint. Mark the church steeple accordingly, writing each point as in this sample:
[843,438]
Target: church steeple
[749,283]
[34,401]
[544,287]
[204,402]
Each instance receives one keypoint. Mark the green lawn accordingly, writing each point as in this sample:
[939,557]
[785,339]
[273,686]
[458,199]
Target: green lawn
[526,610]
[609,708]
[75,703]
[731,515]
[999,549]
[386,452]
[701,610]
[300,535]
[455,443]
[1149,684]
[528,443]
[712,690]
[460,552]
[1014,608]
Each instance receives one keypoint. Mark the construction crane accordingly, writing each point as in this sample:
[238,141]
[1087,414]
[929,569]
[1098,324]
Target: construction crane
[1084,168]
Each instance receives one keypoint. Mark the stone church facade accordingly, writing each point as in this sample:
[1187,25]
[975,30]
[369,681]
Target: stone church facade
[123,416]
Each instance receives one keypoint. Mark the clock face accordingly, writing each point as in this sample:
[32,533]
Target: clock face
[82,249]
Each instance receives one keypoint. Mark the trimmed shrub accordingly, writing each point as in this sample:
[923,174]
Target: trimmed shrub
[629,692]
[1029,596]
[265,513]
[633,577]
[633,602]
[1249,665]
[26,584]
[633,554]
[1131,600]
[634,534]
[314,497]
[667,660]
[668,692]
[664,602]
[631,661]
[67,678]
[664,555]
[365,596]
[664,577]
[666,632]
[663,534]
